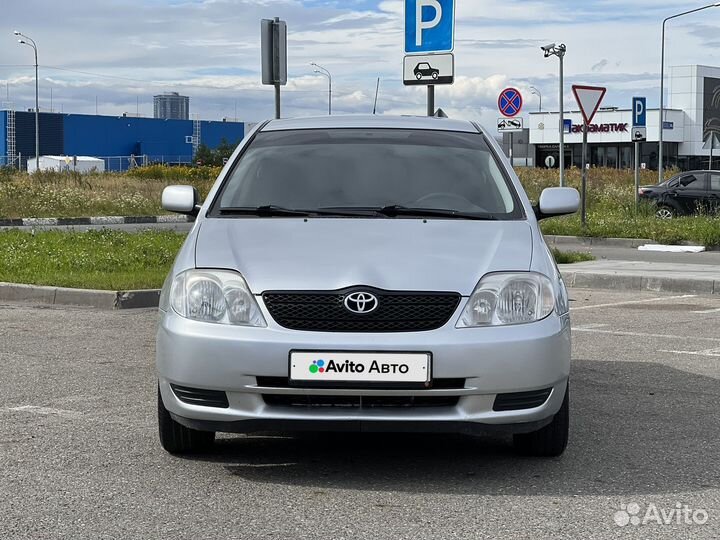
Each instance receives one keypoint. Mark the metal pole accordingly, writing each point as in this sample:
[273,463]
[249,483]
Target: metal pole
[712,145]
[662,81]
[662,104]
[37,113]
[584,176]
[329,95]
[562,125]
[637,174]
[431,100]
[511,149]
[277,100]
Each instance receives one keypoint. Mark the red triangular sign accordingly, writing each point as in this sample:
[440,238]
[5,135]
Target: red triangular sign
[588,98]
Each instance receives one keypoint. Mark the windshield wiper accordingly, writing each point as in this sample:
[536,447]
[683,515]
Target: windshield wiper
[271,210]
[268,210]
[399,210]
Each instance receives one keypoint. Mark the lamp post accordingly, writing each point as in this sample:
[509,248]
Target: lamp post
[662,81]
[537,93]
[322,71]
[559,51]
[25,40]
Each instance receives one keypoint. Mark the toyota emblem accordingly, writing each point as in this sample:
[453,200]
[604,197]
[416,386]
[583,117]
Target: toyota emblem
[361,302]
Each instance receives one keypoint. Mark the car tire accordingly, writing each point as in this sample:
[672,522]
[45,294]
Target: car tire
[418,76]
[435,75]
[551,440]
[665,212]
[178,439]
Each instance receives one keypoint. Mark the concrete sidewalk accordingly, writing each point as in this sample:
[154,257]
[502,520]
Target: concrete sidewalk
[644,276]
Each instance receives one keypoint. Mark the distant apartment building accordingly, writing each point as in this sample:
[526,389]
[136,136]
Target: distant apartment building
[171,106]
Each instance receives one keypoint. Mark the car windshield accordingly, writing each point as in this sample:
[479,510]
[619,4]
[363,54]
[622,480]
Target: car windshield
[369,169]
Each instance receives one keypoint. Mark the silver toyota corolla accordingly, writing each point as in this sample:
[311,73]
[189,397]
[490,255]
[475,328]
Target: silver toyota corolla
[365,273]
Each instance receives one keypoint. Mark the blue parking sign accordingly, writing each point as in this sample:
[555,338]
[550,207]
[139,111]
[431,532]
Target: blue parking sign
[639,105]
[429,26]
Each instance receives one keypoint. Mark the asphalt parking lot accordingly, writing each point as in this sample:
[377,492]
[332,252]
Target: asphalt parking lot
[79,456]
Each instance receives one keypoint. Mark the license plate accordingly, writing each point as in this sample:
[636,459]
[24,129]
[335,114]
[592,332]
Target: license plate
[324,366]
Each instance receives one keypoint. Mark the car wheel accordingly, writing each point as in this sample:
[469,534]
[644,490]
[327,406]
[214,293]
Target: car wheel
[418,76]
[552,439]
[178,439]
[435,75]
[665,212]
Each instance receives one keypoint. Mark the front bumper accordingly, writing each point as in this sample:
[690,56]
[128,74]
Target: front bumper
[492,361]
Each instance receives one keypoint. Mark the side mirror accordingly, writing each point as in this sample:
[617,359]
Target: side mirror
[558,201]
[181,199]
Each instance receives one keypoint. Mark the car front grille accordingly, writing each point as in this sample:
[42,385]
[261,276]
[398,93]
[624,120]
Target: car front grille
[396,311]
[358,402]
[284,382]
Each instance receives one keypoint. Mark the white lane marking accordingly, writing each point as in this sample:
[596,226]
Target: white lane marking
[716,310]
[641,334]
[706,352]
[590,326]
[629,302]
[45,411]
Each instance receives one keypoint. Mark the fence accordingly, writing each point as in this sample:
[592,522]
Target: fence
[112,163]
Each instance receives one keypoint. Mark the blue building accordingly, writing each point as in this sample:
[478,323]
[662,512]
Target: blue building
[120,140]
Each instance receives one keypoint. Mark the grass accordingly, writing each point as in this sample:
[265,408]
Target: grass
[134,193]
[610,206]
[569,257]
[109,260]
[611,209]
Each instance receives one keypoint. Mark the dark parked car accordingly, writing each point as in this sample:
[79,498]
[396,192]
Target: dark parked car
[423,69]
[688,193]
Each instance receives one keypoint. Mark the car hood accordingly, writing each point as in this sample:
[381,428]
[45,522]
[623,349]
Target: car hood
[392,254]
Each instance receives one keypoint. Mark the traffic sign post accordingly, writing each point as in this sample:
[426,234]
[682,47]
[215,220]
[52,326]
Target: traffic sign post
[639,134]
[588,98]
[429,29]
[273,40]
[510,104]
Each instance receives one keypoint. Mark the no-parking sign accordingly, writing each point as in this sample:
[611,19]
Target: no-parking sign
[510,102]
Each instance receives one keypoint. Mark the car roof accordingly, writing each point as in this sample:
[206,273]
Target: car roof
[378,121]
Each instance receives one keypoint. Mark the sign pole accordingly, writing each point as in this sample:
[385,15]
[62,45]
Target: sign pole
[712,145]
[431,100]
[276,62]
[511,148]
[637,174]
[584,175]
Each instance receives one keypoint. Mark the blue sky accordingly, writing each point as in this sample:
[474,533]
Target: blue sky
[123,53]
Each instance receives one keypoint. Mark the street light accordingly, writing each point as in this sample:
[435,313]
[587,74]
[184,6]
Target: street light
[537,93]
[662,82]
[322,71]
[25,40]
[559,50]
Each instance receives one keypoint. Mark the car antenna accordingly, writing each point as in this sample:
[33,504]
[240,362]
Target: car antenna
[377,89]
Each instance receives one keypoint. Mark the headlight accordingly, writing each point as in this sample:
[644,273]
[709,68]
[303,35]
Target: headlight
[215,296]
[508,298]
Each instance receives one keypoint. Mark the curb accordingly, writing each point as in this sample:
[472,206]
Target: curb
[558,241]
[625,282]
[108,300]
[101,220]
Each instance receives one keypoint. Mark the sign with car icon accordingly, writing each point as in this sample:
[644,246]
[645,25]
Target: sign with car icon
[429,69]
[508,125]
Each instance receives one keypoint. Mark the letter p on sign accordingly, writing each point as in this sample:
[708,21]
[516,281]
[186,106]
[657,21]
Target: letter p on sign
[429,26]
[421,25]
